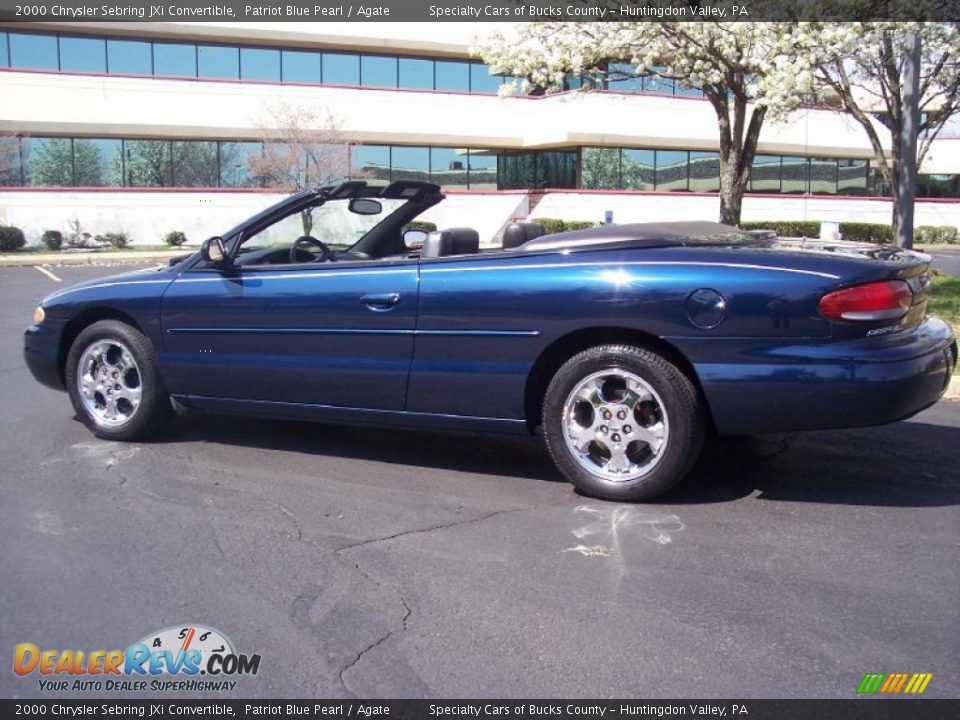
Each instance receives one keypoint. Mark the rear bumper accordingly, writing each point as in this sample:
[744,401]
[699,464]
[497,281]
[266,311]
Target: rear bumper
[833,385]
[41,351]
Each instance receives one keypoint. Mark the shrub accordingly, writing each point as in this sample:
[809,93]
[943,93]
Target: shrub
[579,224]
[78,237]
[115,239]
[786,228]
[866,232]
[423,226]
[936,234]
[11,238]
[53,239]
[175,238]
[550,225]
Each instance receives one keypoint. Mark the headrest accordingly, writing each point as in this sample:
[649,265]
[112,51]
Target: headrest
[516,234]
[452,241]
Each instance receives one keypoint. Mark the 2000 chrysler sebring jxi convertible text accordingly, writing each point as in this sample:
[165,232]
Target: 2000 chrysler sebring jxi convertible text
[622,344]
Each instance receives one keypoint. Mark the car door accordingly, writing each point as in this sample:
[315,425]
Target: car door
[319,333]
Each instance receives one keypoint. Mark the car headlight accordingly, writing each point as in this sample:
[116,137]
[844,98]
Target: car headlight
[38,315]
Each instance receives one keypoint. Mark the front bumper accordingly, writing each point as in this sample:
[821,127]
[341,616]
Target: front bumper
[873,381]
[41,351]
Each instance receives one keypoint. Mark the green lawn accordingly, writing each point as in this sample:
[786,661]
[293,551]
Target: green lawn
[945,301]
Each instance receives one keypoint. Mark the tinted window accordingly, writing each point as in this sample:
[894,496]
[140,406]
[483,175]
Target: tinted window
[301,67]
[453,76]
[823,176]
[147,163]
[637,167]
[4,51]
[262,65]
[483,169]
[600,168]
[239,163]
[794,174]
[671,169]
[416,74]
[517,170]
[194,163]
[129,57]
[765,174]
[9,160]
[448,168]
[410,163]
[370,162]
[376,71]
[48,161]
[704,171]
[852,177]
[556,169]
[218,62]
[33,52]
[482,81]
[175,60]
[656,84]
[98,162]
[83,54]
[340,69]
[622,78]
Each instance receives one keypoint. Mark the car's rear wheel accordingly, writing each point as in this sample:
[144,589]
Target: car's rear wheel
[622,422]
[111,376]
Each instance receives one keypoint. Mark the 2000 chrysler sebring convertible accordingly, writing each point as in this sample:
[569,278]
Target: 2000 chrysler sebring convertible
[622,345]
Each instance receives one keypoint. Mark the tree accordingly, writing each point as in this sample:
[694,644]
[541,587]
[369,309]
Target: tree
[302,148]
[739,66]
[858,69]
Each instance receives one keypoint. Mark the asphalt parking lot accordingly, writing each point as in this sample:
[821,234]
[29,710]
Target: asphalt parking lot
[404,564]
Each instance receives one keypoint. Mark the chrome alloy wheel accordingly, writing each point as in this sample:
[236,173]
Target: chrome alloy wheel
[615,425]
[108,383]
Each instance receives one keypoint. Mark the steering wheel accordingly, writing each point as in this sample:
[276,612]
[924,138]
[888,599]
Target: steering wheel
[301,242]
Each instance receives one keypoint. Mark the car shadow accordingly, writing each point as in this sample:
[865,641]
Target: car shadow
[507,455]
[907,464]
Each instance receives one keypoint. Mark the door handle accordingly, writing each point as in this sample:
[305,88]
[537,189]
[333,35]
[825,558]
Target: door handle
[380,302]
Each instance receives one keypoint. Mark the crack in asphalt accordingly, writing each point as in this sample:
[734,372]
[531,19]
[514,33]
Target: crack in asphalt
[408,611]
[434,528]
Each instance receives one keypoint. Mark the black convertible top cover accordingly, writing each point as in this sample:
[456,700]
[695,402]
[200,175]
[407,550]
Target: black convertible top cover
[659,234]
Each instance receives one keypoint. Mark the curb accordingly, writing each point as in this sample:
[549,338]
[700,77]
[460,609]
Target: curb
[953,389]
[91,258]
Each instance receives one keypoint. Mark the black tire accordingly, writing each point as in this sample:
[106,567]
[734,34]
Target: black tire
[154,408]
[681,405]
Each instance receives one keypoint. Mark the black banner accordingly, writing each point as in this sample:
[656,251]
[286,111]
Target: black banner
[475,10]
[854,709]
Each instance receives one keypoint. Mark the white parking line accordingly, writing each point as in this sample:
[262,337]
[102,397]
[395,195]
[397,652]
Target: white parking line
[48,273]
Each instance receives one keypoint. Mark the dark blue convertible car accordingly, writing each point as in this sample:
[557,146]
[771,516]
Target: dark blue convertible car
[622,345]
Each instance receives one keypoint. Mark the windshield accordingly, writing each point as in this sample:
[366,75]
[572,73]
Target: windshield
[333,223]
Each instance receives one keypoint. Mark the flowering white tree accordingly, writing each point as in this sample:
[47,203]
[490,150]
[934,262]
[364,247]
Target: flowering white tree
[858,68]
[741,67]
[302,148]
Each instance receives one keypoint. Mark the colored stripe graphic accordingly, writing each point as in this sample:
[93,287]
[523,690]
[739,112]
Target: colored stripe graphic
[870,683]
[894,683]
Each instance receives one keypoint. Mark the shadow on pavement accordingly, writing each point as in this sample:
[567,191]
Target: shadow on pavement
[907,464]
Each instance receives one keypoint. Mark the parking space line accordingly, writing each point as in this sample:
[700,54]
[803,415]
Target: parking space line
[48,273]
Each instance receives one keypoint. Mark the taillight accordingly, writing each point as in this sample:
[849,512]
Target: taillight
[889,300]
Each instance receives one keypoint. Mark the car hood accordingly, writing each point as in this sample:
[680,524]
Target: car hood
[153,274]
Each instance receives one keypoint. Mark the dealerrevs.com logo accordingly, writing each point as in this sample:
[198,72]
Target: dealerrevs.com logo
[172,659]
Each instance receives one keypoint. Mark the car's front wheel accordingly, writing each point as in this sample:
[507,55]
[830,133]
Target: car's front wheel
[622,422]
[111,376]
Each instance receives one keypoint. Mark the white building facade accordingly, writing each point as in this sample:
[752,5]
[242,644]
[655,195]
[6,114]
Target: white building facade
[149,127]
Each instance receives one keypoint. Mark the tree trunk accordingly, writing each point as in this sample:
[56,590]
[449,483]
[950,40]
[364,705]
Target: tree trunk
[738,146]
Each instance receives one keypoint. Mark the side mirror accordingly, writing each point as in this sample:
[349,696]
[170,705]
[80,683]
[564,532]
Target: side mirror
[414,239]
[365,206]
[213,251]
